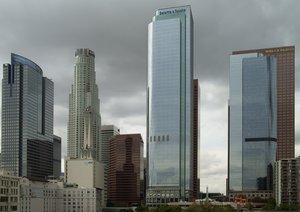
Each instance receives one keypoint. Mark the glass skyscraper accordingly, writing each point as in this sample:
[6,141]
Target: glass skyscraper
[170,106]
[285,57]
[252,122]
[27,118]
[84,123]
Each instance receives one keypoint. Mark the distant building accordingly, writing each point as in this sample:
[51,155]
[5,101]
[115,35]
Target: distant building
[107,133]
[9,192]
[56,156]
[125,170]
[252,124]
[27,117]
[287,181]
[170,114]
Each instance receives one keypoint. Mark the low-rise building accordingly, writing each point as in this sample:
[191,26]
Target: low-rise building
[287,181]
[9,192]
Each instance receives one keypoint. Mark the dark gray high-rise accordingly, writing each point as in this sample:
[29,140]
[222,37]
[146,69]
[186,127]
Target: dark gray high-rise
[27,117]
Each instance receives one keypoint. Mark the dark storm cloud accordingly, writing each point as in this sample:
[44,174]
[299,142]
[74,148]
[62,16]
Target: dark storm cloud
[48,32]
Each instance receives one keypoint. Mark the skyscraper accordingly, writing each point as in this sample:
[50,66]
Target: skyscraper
[252,123]
[170,106]
[285,57]
[84,127]
[125,169]
[27,118]
[84,109]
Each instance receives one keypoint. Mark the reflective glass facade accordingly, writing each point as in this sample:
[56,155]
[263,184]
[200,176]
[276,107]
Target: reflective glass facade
[169,112]
[285,57]
[252,122]
[27,112]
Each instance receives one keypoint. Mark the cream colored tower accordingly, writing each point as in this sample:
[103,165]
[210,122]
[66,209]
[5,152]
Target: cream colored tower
[84,117]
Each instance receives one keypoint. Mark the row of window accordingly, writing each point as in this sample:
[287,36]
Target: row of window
[159,138]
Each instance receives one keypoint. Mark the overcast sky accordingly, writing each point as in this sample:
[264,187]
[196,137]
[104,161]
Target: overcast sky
[48,32]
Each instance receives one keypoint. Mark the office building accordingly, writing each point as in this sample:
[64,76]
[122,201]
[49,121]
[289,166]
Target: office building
[107,133]
[84,109]
[125,170]
[252,123]
[285,57]
[287,181]
[27,116]
[170,106]
[56,156]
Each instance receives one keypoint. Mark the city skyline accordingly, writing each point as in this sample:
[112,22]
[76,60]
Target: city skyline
[122,53]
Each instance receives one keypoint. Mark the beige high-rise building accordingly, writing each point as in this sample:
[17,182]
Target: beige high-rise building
[84,123]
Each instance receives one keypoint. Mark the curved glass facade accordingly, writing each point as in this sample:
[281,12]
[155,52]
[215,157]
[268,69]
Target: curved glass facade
[27,113]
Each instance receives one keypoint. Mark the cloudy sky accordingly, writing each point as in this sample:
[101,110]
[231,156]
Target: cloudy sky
[48,32]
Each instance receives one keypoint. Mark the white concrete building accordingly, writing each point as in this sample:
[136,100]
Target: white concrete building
[79,199]
[287,181]
[56,196]
[9,192]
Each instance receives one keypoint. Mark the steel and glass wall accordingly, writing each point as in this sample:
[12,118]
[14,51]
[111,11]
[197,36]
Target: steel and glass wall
[169,112]
[253,122]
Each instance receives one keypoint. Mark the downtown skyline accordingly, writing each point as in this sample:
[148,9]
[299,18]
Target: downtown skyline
[121,48]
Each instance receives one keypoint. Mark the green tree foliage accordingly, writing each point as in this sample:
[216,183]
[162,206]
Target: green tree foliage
[270,205]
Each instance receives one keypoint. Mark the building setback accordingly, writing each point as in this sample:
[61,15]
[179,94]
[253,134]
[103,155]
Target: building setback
[170,107]
[125,170]
[285,57]
[27,116]
[252,123]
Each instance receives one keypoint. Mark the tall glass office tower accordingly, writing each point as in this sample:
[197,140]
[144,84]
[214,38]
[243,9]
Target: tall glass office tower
[84,124]
[170,106]
[252,123]
[27,119]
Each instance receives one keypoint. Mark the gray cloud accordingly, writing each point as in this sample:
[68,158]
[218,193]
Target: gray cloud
[48,32]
